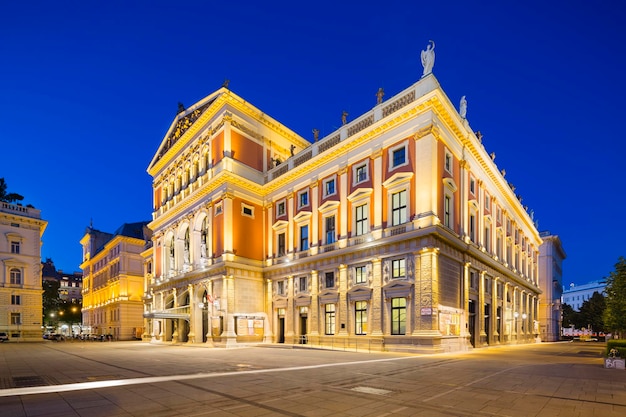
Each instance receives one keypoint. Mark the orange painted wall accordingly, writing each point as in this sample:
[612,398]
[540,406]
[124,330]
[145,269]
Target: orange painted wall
[410,167]
[247,231]
[217,148]
[218,233]
[456,176]
[246,151]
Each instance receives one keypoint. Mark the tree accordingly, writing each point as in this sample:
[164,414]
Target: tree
[51,301]
[570,317]
[615,314]
[592,313]
[8,197]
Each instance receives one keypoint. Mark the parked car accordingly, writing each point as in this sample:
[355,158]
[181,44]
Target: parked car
[4,337]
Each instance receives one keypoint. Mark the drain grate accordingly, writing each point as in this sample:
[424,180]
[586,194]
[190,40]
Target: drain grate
[28,381]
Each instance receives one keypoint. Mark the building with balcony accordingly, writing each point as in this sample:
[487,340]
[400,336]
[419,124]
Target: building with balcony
[551,257]
[113,278]
[397,231]
[21,230]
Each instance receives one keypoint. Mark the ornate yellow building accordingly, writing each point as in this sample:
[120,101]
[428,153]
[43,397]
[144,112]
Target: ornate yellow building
[21,229]
[397,231]
[113,278]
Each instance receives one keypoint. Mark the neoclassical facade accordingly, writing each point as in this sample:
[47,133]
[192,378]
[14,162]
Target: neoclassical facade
[551,257]
[21,230]
[113,278]
[396,232]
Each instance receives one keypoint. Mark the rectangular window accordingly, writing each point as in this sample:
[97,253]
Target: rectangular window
[360,319]
[488,239]
[472,186]
[398,316]
[280,287]
[398,208]
[16,276]
[360,275]
[330,229]
[281,244]
[473,280]
[330,279]
[487,201]
[304,237]
[329,187]
[247,211]
[15,247]
[447,206]
[362,225]
[361,173]
[448,162]
[304,199]
[329,319]
[472,228]
[398,268]
[16,318]
[399,157]
[280,209]
[16,300]
[304,287]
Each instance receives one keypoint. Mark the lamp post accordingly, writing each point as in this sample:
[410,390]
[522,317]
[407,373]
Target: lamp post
[516,315]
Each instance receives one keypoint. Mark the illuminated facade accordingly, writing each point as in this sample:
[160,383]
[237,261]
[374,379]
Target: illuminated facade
[113,281]
[21,229]
[551,257]
[395,232]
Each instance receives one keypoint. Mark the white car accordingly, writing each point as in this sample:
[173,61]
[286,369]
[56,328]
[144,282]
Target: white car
[4,337]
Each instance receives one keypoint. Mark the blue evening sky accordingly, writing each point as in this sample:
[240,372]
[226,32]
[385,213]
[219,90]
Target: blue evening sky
[89,88]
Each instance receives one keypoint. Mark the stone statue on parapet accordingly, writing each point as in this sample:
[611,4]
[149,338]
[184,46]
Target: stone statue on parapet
[428,58]
[225,83]
[463,108]
[379,95]
[316,134]
[344,117]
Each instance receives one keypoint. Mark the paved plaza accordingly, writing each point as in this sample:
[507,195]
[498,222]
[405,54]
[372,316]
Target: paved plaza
[95,379]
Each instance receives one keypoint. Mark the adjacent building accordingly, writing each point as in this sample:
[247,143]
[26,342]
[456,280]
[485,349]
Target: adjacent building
[576,295]
[113,278]
[551,257]
[397,231]
[21,230]
[70,283]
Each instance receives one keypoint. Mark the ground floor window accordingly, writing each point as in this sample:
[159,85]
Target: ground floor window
[329,314]
[360,311]
[398,316]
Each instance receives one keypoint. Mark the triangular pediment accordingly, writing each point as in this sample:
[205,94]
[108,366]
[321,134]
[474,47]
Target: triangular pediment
[182,122]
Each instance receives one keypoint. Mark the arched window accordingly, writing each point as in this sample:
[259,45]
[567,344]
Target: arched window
[16,276]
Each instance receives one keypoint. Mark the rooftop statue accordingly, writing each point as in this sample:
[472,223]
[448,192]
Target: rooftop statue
[428,58]
[463,108]
[344,117]
[379,95]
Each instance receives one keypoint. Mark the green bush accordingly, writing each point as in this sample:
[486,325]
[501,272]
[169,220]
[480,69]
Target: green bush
[619,344]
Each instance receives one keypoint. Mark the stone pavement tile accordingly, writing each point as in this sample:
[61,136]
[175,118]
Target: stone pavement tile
[110,410]
[44,405]
[11,407]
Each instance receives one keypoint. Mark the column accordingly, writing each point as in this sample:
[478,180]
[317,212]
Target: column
[376,315]
[480,313]
[175,321]
[290,312]
[426,293]
[315,307]
[494,311]
[314,239]
[193,315]
[228,298]
[377,220]
[227,214]
[343,207]
[291,235]
[269,311]
[342,312]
